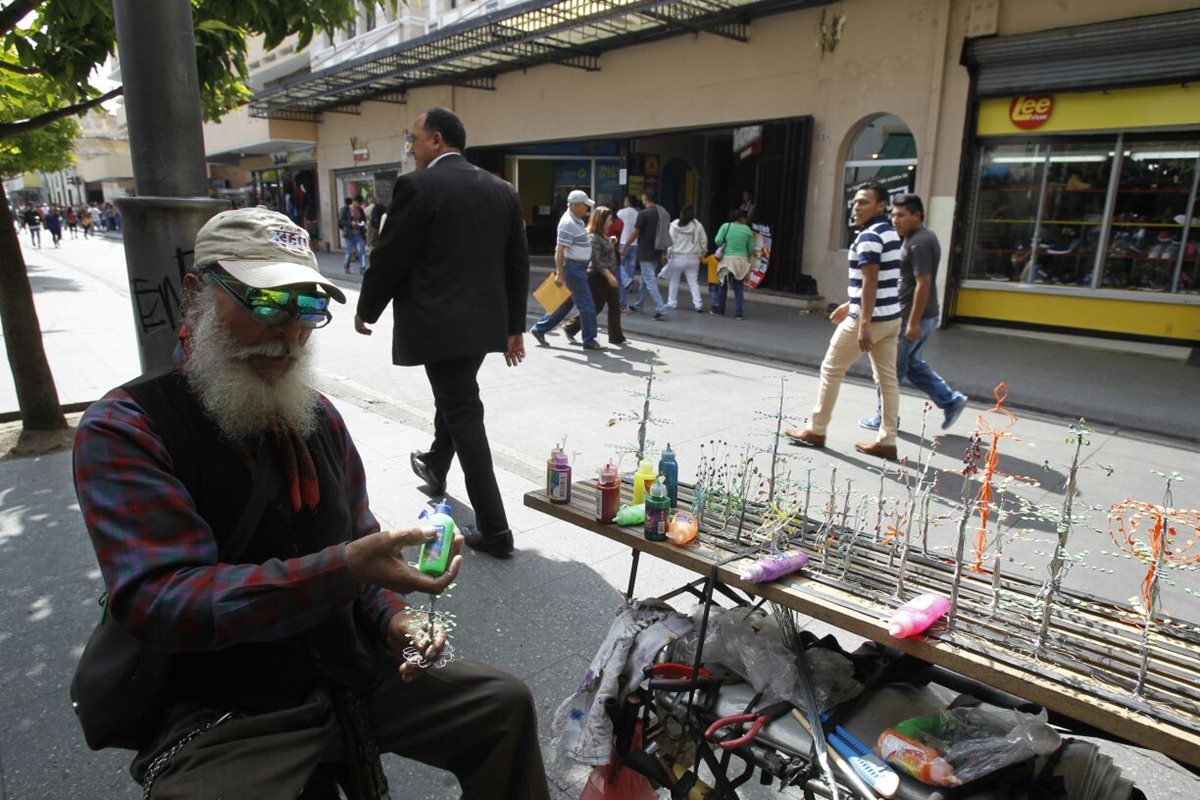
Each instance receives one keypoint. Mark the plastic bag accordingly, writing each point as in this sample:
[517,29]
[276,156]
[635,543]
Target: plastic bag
[958,745]
[769,666]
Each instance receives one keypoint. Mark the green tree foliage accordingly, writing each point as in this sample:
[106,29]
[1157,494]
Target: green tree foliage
[64,42]
[48,148]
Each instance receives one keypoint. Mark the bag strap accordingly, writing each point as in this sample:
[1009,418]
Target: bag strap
[252,512]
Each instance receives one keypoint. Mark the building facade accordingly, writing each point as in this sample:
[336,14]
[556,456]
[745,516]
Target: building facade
[1056,146]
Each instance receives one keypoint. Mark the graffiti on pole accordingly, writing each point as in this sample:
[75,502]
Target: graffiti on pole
[158,300]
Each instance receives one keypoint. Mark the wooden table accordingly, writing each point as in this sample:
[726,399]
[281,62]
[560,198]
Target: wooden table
[1085,673]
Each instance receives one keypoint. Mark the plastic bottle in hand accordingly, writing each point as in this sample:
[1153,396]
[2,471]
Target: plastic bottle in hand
[917,614]
[435,555]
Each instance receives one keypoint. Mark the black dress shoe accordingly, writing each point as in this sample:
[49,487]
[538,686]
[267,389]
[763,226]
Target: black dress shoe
[498,545]
[434,486]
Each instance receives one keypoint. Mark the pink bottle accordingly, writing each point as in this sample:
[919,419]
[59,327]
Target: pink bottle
[917,614]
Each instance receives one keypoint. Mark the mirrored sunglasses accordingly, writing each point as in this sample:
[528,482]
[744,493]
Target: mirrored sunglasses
[276,306]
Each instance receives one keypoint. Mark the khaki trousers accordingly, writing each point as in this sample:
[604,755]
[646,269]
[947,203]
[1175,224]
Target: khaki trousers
[474,721]
[842,353]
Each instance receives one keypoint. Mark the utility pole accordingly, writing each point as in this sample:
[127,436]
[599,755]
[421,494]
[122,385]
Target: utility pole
[157,47]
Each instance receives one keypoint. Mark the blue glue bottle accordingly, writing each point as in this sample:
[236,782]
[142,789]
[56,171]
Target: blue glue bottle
[435,555]
[669,469]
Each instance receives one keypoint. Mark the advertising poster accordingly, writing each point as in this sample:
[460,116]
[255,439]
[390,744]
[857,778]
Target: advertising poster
[762,255]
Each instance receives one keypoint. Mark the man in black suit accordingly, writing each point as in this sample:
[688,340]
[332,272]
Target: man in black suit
[453,261]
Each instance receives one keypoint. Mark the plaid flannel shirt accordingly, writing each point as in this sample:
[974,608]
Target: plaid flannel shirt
[159,557]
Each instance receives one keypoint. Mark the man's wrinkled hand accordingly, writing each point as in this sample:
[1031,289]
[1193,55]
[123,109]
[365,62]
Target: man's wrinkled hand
[912,332]
[411,628]
[558,279]
[515,353]
[378,559]
[361,326]
[839,314]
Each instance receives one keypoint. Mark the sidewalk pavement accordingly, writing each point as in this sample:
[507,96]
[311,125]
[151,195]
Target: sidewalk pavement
[1142,392]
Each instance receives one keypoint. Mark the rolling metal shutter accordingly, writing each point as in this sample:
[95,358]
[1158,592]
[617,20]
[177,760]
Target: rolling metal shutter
[1142,50]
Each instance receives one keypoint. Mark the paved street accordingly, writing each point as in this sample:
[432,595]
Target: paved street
[542,614]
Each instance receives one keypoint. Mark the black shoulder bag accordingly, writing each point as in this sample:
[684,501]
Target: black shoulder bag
[119,684]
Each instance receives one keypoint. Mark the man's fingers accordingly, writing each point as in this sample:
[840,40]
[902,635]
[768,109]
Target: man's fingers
[409,537]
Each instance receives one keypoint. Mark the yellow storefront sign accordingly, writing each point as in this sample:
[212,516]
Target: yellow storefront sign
[1176,105]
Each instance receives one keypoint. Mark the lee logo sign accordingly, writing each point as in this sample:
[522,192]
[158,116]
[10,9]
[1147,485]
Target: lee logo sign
[1030,111]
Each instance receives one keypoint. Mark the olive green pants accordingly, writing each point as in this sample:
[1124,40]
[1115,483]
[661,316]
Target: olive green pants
[474,721]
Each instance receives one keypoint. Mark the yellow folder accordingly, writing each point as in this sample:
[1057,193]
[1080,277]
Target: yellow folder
[550,296]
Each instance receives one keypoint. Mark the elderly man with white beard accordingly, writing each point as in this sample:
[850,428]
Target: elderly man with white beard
[228,509]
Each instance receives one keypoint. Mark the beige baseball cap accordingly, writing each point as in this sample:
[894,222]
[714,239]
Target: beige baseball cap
[261,248]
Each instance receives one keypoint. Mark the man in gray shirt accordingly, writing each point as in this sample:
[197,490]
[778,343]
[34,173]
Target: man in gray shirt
[919,257]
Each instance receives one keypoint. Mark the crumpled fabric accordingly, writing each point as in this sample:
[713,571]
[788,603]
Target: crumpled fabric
[581,730]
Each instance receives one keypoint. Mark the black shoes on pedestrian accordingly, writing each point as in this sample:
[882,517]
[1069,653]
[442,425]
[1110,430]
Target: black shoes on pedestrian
[497,545]
[435,486]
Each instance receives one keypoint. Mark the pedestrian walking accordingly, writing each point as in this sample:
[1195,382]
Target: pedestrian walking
[375,214]
[689,242]
[652,237]
[920,254]
[869,322]
[453,262]
[33,224]
[73,222]
[353,224]
[572,256]
[227,505]
[627,267]
[735,240]
[54,225]
[602,275]
[86,220]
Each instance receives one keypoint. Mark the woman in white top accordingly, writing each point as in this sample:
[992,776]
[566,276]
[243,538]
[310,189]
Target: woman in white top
[689,243]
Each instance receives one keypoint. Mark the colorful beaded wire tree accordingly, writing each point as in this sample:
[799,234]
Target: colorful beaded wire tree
[1149,533]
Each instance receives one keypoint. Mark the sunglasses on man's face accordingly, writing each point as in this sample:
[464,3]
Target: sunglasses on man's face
[276,306]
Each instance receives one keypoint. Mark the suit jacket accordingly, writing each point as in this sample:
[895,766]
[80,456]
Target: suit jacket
[453,262]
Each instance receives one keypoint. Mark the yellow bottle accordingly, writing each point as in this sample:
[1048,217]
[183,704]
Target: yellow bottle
[643,479]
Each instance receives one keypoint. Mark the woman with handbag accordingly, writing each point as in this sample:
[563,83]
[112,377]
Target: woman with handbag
[735,242]
[689,242]
[602,275]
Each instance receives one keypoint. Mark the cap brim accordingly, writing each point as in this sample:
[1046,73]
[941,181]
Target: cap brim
[273,274]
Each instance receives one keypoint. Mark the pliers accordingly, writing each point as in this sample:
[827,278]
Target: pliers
[757,719]
[671,676]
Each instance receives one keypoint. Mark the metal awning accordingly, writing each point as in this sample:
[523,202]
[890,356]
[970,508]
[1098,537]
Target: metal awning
[473,52]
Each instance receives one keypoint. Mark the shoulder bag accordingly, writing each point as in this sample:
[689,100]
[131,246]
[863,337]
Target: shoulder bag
[120,682]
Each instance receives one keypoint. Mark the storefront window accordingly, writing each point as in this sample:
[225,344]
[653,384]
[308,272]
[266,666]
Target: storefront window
[1153,241]
[882,149]
[1053,212]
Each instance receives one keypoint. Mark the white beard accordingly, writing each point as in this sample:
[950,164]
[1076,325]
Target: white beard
[241,403]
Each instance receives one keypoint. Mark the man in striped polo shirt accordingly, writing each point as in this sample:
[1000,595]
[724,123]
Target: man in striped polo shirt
[571,256]
[869,322]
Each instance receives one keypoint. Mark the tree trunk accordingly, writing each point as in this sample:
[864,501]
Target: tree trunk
[37,396]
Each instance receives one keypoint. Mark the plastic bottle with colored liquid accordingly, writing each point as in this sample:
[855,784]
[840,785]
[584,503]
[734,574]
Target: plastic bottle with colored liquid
[435,555]
[658,509]
[643,479]
[917,614]
[559,488]
[550,466]
[608,493]
[669,469]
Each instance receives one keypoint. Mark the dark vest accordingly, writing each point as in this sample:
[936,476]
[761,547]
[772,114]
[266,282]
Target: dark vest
[260,675]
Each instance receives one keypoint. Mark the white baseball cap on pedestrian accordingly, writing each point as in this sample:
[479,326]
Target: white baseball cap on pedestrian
[580,196]
[262,249]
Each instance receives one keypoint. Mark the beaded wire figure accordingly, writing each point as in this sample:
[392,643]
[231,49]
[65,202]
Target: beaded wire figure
[1148,533]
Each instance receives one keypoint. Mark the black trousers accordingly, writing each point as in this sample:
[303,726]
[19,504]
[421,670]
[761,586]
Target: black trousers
[458,428]
[474,721]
